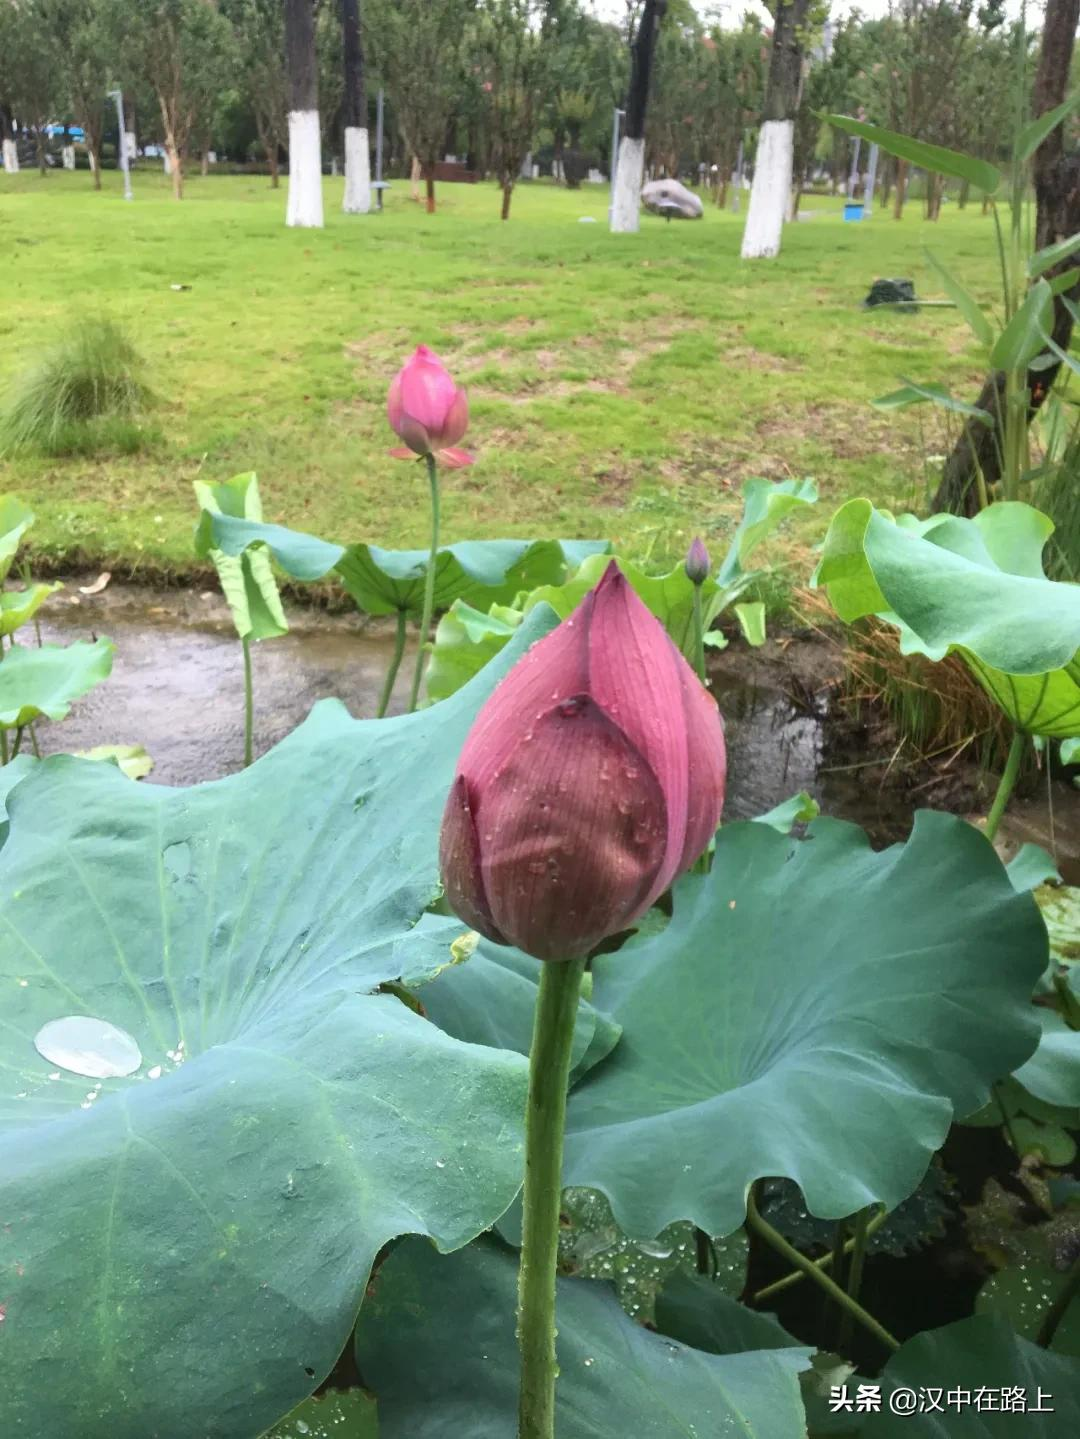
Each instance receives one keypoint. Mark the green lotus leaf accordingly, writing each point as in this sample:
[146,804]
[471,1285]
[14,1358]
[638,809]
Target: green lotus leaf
[767,1008]
[385,582]
[766,503]
[981,1353]
[696,1311]
[130,759]
[337,1414]
[465,639]
[976,587]
[435,1343]
[15,519]
[247,579]
[236,1173]
[18,606]
[490,997]
[1053,1071]
[47,681]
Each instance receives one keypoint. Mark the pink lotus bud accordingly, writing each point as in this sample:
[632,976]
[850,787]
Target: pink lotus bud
[428,410]
[698,563]
[591,778]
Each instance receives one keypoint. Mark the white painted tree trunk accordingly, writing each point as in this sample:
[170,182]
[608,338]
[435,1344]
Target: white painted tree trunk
[93,162]
[11,158]
[771,190]
[67,156]
[357,199]
[305,207]
[166,163]
[626,197]
[129,141]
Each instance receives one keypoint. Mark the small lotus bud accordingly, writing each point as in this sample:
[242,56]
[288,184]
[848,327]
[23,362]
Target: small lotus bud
[698,563]
[591,778]
[428,410]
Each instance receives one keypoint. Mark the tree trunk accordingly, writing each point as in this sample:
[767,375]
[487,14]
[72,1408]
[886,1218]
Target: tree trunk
[357,197]
[414,176]
[507,191]
[39,150]
[771,189]
[626,199]
[901,188]
[275,167]
[965,192]
[1057,195]
[176,168]
[305,202]
[429,188]
[204,162]
[94,151]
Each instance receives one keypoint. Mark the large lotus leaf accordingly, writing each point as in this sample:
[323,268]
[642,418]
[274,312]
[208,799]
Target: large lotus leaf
[814,1010]
[247,579]
[48,680]
[974,586]
[978,1356]
[338,1414]
[1053,1071]
[18,606]
[384,582]
[211,1216]
[15,519]
[490,998]
[436,1344]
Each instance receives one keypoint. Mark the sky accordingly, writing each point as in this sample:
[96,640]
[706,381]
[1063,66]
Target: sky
[733,10]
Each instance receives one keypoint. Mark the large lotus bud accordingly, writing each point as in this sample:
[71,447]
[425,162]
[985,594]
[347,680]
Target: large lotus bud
[698,563]
[428,410]
[591,778]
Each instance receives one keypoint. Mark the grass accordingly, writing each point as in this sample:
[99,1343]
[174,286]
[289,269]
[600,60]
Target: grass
[621,386]
[92,377]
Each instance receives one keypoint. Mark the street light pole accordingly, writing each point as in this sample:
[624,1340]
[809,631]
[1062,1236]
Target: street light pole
[118,96]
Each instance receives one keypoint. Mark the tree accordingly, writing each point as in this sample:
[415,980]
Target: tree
[259,36]
[31,70]
[630,170]
[81,32]
[305,205]
[357,200]
[773,161]
[419,51]
[183,50]
[1056,173]
[513,49]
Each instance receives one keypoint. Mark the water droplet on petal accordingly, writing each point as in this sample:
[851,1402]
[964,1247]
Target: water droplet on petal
[92,1047]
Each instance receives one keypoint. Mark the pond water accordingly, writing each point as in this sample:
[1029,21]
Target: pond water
[177,689]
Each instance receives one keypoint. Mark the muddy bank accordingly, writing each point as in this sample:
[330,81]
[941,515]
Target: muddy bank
[177,689]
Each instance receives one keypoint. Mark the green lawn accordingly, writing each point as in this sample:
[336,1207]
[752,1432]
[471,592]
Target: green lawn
[621,386]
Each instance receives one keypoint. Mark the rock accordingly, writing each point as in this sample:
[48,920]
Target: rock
[672,200]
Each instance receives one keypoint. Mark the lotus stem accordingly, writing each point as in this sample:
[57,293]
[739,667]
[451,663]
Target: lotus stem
[1006,784]
[549,1070]
[249,704]
[429,581]
[18,742]
[855,1273]
[798,1275]
[3,745]
[395,664]
[699,636]
[777,1241]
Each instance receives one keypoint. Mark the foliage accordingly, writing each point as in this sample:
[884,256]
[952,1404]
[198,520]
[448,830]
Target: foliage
[247,579]
[93,372]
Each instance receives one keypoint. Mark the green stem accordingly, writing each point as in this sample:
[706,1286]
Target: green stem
[699,636]
[34,741]
[816,1273]
[3,746]
[839,1251]
[429,581]
[395,664]
[798,1275]
[18,742]
[549,1069]
[249,705]
[855,1273]
[1006,784]
[1056,1313]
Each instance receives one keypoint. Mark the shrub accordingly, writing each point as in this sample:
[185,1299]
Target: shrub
[94,373]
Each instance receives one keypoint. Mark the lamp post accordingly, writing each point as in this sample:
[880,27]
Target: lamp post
[118,97]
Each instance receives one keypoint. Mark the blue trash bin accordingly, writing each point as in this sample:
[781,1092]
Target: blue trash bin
[852,211]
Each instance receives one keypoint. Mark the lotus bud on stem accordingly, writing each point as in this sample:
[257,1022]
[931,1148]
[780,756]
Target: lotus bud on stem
[592,777]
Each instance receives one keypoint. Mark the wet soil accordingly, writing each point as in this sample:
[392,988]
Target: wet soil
[177,689]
